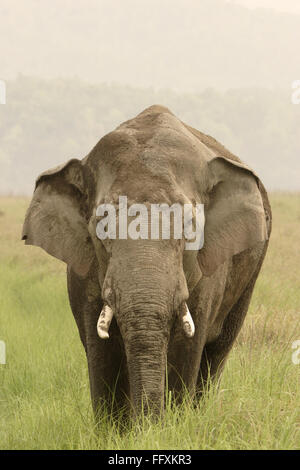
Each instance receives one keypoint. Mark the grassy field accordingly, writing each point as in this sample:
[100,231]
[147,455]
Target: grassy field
[44,391]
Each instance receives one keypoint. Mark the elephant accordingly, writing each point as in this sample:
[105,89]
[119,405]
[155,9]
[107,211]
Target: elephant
[150,313]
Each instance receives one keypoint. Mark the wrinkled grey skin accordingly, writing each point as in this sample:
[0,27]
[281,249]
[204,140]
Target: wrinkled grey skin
[154,158]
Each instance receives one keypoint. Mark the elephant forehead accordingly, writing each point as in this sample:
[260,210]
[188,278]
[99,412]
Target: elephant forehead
[155,160]
[160,168]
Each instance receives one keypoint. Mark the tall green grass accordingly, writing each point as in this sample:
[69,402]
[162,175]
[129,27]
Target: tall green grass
[44,390]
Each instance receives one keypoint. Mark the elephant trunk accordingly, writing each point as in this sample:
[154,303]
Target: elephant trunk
[145,313]
[145,327]
[147,377]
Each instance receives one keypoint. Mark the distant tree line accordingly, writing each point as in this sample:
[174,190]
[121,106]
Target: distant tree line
[45,122]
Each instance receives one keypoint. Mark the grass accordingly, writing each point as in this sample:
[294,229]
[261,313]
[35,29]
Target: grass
[44,390]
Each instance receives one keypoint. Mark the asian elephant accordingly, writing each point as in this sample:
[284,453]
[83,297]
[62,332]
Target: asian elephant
[148,310]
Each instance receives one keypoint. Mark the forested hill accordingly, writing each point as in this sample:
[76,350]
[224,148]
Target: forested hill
[46,122]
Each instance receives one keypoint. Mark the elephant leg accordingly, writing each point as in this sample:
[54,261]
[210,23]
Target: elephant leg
[183,364]
[215,353]
[107,367]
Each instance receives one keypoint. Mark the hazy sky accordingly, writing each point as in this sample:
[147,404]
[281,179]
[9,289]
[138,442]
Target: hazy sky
[186,45]
[179,45]
[292,6]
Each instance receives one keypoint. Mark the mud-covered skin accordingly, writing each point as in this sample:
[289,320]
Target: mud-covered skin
[154,158]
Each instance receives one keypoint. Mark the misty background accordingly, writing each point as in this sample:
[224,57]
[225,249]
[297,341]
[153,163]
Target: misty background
[75,69]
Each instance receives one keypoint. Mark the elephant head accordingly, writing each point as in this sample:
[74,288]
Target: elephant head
[146,283]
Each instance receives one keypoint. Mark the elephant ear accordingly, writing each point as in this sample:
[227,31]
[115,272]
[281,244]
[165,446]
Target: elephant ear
[56,219]
[235,217]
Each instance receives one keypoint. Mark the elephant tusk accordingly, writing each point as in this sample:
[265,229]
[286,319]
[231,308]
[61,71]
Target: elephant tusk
[104,322]
[188,324]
